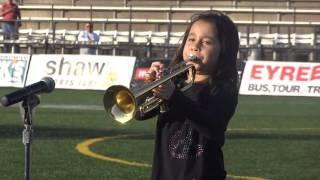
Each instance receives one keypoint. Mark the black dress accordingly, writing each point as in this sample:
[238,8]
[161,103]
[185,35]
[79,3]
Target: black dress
[190,135]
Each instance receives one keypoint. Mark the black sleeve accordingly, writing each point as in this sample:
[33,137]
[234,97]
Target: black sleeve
[211,116]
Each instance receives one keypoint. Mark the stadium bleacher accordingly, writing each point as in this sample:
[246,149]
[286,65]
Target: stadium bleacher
[273,26]
[41,38]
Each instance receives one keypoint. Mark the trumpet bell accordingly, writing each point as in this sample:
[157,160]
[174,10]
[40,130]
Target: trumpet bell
[120,103]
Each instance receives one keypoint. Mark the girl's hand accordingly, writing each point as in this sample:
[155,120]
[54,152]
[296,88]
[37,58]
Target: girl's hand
[164,91]
[154,71]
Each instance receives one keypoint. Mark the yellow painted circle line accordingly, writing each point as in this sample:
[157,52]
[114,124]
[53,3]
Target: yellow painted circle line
[245,177]
[84,149]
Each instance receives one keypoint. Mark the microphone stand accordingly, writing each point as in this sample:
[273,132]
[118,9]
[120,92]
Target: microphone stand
[28,104]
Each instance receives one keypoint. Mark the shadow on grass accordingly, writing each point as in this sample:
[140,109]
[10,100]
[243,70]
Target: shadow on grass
[11,131]
[274,135]
[42,132]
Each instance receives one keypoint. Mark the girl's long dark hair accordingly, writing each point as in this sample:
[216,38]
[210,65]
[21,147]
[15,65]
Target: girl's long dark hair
[225,70]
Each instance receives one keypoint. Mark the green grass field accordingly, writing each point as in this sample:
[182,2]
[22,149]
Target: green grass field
[268,138]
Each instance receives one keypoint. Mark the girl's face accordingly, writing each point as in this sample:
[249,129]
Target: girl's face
[203,42]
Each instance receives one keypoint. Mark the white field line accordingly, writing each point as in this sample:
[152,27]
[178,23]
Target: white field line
[72,107]
[64,106]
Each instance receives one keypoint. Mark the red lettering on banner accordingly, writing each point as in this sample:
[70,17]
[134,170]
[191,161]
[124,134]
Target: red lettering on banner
[256,72]
[315,75]
[287,72]
[272,71]
[302,74]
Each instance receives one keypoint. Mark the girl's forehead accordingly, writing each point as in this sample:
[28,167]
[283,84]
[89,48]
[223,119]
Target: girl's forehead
[204,27]
[202,22]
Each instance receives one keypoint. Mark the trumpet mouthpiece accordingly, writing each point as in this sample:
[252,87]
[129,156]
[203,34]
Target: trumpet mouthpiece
[192,57]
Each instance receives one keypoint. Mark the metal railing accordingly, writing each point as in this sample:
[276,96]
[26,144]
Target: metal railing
[184,3]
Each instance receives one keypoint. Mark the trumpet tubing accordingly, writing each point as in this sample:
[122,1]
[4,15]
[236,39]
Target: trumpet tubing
[121,103]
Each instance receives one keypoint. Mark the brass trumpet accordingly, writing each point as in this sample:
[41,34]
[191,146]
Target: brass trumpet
[121,103]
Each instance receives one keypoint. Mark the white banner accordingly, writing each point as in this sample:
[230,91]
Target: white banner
[82,71]
[281,78]
[13,69]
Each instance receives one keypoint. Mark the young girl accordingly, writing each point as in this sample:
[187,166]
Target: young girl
[191,133]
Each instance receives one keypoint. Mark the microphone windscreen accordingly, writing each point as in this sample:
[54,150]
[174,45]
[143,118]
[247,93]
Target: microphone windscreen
[50,84]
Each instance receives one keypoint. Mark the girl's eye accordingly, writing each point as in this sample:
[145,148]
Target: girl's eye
[207,42]
[190,39]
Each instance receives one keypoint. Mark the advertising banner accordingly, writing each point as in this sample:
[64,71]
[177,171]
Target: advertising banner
[281,79]
[13,69]
[82,71]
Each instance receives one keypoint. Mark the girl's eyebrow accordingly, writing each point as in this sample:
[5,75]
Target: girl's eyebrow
[191,34]
[207,36]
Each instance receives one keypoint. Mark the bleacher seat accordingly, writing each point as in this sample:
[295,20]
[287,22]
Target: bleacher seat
[107,37]
[252,39]
[39,36]
[159,38]
[282,40]
[175,38]
[71,36]
[268,39]
[122,37]
[24,39]
[56,37]
[24,35]
[317,40]
[107,41]
[303,39]
[1,37]
[141,37]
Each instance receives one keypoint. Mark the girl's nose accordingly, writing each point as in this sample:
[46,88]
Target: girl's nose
[196,46]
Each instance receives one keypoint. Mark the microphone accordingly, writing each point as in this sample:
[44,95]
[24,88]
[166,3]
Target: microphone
[45,85]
